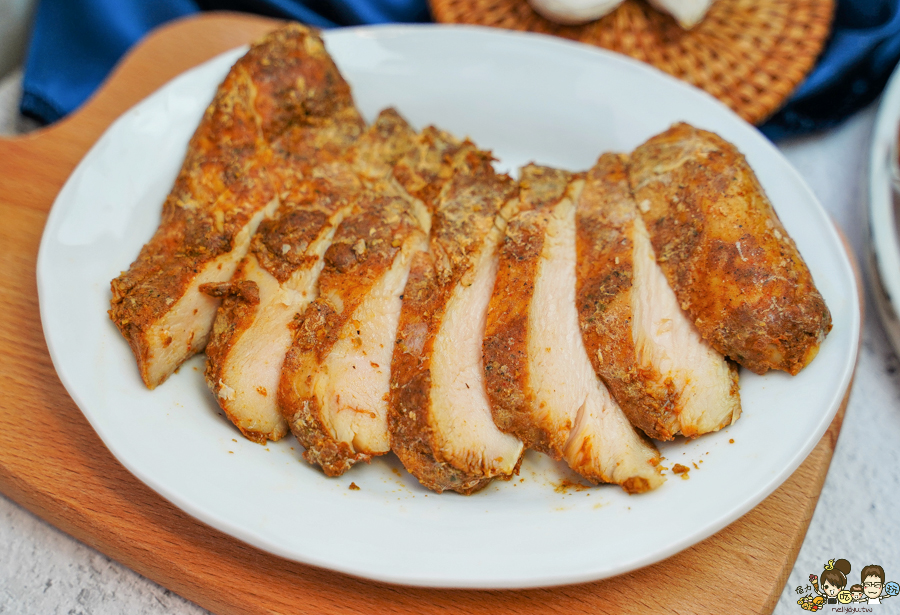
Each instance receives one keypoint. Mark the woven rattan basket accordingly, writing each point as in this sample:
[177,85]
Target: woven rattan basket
[750,54]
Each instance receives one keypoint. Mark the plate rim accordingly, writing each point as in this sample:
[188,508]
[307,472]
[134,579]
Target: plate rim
[883,249]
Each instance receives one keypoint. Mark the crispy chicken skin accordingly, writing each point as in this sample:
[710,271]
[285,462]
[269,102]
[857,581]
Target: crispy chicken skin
[440,422]
[252,335]
[225,188]
[336,375]
[540,379]
[665,377]
[725,252]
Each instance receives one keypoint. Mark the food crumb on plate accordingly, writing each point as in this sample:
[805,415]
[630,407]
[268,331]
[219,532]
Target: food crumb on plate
[565,485]
[680,469]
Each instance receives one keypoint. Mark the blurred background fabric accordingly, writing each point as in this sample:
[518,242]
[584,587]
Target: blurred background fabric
[852,71]
[75,43]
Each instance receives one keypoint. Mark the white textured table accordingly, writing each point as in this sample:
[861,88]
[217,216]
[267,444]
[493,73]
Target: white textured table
[43,571]
[858,514]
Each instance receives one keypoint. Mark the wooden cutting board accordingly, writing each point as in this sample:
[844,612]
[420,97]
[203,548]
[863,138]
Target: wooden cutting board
[53,463]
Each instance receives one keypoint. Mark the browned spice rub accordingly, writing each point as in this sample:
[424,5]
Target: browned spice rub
[434,159]
[411,432]
[542,384]
[304,212]
[223,190]
[725,252]
[505,343]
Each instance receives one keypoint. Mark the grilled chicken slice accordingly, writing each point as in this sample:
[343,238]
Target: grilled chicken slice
[224,190]
[664,375]
[725,253]
[335,380]
[540,380]
[509,320]
[252,331]
[440,419]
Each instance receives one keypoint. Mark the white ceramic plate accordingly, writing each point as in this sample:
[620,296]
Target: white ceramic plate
[884,198]
[527,97]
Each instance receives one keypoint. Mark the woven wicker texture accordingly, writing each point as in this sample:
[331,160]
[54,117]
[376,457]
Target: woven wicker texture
[750,54]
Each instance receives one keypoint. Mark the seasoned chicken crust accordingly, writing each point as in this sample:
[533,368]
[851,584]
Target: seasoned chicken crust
[725,252]
[275,280]
[605,276]
[540,379]
[226,186]
[377,289]
[412,435]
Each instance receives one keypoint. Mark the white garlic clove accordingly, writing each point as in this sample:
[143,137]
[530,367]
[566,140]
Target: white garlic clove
[574,12]
[688,13]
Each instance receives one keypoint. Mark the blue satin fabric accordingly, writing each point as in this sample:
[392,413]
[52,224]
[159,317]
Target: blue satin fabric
[75,43]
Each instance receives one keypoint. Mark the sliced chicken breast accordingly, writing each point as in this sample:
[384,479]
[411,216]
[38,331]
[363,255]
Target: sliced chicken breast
[251,334]
[336,376]
[252,331]
[547,387]
[507,359]
[225,188]
[725,253]
[440,418]
[665,377]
